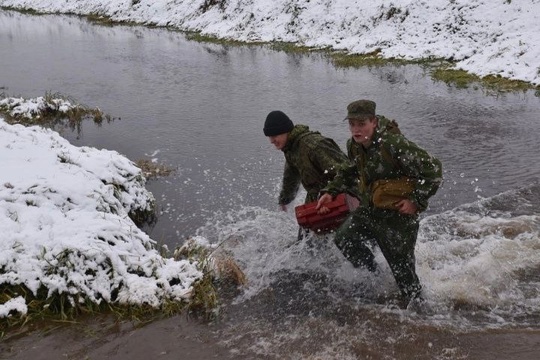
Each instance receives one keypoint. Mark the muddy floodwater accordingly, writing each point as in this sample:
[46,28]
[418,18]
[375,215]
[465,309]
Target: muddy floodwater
[199,108]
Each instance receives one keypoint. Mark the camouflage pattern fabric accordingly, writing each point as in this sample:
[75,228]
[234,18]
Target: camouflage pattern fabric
[395,235]
[390,156]
[312,160]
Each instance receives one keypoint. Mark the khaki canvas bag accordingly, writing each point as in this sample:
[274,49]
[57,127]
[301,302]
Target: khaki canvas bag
[386,193]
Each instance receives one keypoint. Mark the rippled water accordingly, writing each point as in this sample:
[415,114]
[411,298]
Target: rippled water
[200,108]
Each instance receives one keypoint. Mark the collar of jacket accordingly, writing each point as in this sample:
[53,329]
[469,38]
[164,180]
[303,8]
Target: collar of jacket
[296,133]
[378,134]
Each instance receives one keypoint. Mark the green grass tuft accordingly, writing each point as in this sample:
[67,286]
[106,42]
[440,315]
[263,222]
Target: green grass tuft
[373,59]
[462,79]
[54,117]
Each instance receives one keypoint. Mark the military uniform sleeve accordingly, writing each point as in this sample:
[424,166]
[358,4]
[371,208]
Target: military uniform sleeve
[328,159]
[345,181]
[290,185]
[417,163]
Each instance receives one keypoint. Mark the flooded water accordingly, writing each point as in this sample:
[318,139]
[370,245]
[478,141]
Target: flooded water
[200,109]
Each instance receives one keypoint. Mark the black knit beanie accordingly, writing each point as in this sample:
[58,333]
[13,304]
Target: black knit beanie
[277,123]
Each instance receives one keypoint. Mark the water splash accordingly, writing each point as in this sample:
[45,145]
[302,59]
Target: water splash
[478,264]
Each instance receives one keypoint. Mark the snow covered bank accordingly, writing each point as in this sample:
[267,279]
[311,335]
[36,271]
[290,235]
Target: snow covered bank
[65,225]
[31,108]
[499,37]
[52,111]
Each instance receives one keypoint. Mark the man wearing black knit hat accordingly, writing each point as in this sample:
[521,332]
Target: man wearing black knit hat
[310,158]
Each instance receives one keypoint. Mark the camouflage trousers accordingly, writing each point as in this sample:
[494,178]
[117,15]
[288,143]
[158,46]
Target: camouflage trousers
[395,234]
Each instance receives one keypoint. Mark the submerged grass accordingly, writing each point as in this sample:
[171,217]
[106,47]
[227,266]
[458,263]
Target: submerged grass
[153,170]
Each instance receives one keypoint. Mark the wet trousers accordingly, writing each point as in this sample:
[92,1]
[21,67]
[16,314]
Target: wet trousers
[395,234]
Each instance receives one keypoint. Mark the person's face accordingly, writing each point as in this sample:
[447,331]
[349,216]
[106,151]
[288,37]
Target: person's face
[279,141]
[362,130]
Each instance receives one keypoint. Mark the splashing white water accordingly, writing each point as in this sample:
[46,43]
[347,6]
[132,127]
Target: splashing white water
[476,261]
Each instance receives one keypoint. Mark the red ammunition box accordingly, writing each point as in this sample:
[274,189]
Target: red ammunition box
[340,207]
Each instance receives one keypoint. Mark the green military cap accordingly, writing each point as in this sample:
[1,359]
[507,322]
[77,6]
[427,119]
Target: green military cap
[361,109]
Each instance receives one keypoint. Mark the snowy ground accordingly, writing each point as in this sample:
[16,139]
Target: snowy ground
[65,225]
[498,37]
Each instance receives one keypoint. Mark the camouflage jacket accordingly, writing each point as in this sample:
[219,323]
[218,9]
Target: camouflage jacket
[389,156]
[311,160]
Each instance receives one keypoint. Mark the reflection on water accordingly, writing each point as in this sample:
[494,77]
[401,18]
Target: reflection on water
[200,108]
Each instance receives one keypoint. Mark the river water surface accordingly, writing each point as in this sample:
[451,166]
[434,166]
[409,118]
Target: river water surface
[200,108]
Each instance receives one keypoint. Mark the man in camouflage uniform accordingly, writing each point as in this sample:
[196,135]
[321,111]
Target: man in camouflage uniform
[379,151]
[310,158]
